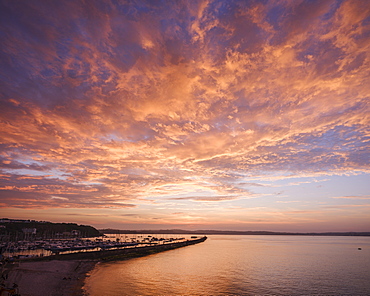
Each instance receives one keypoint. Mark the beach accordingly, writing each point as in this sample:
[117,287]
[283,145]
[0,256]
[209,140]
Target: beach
[55,277]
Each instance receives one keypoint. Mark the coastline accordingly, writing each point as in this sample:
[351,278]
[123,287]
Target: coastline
[64,274]
[54,277]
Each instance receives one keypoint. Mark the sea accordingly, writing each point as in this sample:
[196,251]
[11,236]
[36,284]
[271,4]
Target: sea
[243,265]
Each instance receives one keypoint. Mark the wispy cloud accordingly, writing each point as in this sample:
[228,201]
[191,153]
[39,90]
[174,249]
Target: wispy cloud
[206,198]
[354,197]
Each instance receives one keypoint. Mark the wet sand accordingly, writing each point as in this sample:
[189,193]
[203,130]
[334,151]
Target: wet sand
[54,278]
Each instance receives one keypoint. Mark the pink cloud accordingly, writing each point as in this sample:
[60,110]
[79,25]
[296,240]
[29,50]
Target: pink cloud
[107,104]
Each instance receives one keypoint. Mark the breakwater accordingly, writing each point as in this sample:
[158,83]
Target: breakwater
[122,253]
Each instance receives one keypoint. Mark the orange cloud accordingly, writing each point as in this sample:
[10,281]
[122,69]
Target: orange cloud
[114,104]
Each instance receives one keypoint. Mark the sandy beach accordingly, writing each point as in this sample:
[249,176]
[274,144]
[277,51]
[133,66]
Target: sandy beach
[55,277]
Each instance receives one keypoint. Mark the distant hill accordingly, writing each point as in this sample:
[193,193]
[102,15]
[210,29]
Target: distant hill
[42,229]
[226,232]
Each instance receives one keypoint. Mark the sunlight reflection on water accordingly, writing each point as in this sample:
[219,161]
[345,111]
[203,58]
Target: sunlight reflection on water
[240,265]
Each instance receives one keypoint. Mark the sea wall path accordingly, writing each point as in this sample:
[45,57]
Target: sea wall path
[121,253]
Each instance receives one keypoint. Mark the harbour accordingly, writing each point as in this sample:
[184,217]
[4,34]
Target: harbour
[87,248]
[63,271]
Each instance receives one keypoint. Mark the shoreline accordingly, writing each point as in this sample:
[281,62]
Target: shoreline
[54,277]
[65,274]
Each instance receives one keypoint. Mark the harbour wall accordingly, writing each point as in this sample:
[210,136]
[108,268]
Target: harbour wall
[119,254]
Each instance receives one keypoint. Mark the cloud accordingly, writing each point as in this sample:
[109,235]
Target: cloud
[109,104]
[353,197]
[42,192]
[206,198]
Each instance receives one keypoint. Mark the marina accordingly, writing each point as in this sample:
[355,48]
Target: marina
[68,261]
[52,248]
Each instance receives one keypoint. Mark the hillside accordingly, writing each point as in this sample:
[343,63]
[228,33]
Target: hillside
[26,229]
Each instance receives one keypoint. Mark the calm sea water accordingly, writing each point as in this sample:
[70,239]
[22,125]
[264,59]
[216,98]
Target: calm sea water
[243,265]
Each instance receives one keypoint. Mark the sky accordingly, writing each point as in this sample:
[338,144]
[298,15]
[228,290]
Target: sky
[229,115]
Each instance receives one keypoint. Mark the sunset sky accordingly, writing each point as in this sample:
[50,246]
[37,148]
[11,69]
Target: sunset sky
[238,115]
